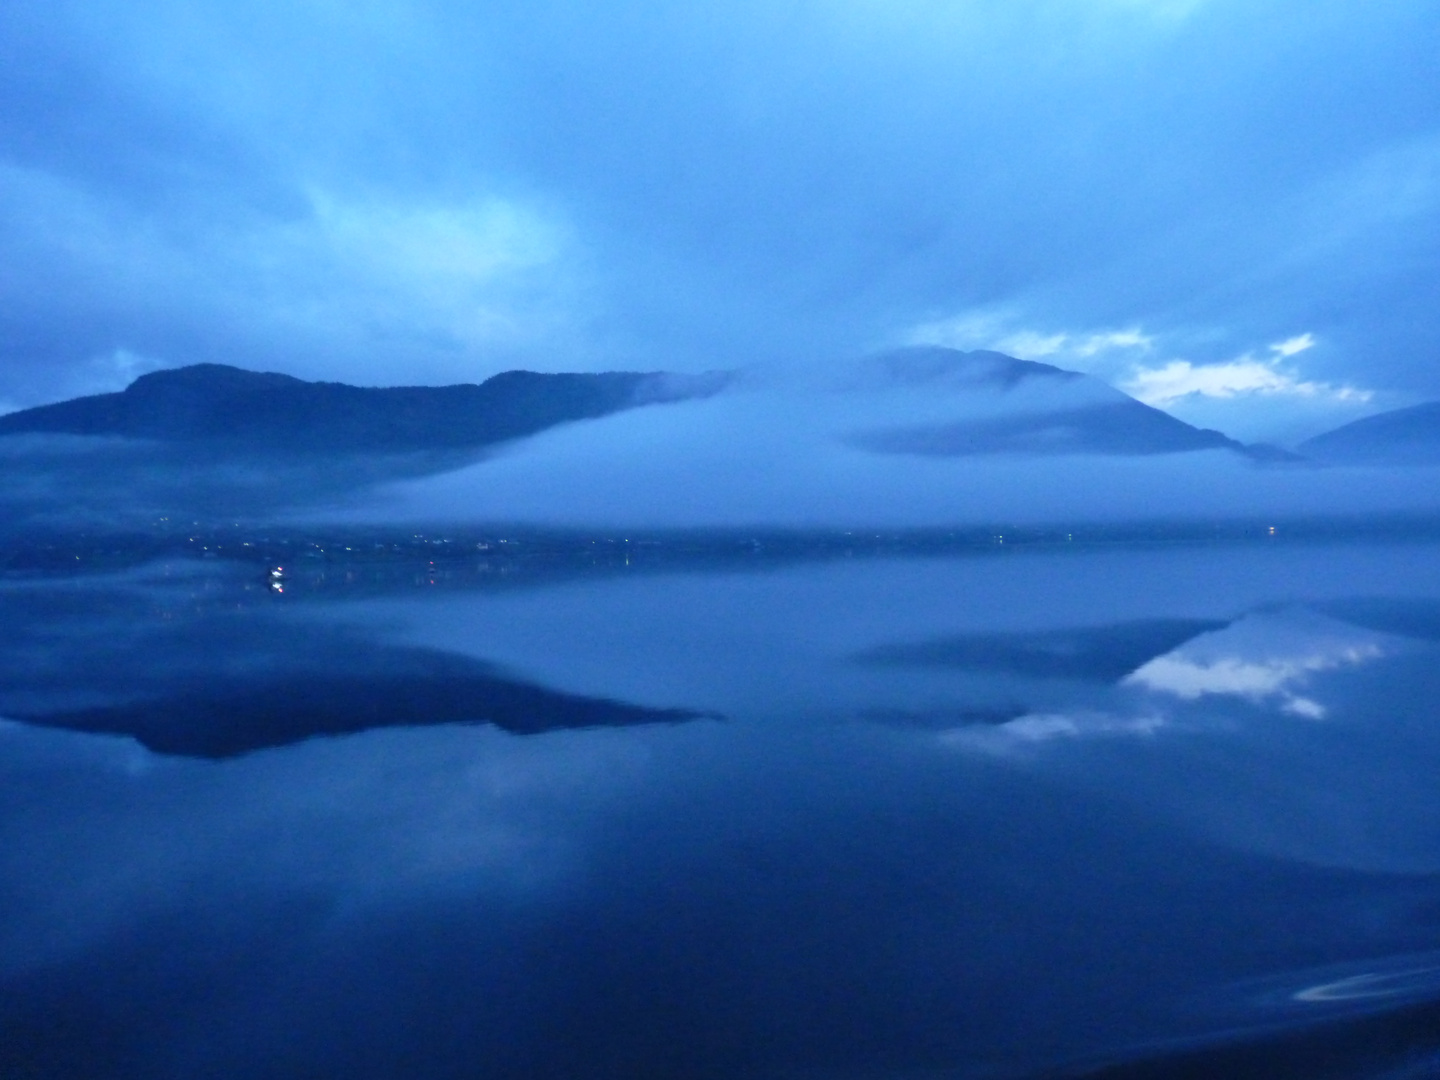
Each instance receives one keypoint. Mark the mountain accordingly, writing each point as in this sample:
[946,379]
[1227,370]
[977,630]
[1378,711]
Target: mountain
[265,412]
[223,717]
[1399,437]
[1028,408]
[215,684]
[987,403]
[914,436]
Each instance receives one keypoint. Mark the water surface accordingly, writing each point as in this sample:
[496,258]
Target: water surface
[1142,809]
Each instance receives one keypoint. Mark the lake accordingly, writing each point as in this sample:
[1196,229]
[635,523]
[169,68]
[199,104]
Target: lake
[1105,809]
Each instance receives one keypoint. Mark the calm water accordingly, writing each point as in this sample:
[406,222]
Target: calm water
[1173,811]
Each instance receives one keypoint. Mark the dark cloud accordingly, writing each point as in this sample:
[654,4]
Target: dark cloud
[431,191]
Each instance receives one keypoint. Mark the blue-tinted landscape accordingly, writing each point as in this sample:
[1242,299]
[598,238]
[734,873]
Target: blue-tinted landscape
[1006,812]
[816,540]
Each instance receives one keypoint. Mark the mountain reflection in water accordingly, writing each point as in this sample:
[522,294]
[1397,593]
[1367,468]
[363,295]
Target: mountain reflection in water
[1121,813]
[1103,653]
[214,684]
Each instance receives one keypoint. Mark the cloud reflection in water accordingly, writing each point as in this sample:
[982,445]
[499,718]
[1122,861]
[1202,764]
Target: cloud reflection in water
[1265,656]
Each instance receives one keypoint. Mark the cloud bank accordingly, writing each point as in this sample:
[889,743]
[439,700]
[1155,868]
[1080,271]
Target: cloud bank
[797,451]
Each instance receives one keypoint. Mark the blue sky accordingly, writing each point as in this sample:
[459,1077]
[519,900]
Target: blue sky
[1228,207]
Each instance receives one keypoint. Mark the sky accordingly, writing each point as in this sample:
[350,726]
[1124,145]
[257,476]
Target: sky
[1229,208]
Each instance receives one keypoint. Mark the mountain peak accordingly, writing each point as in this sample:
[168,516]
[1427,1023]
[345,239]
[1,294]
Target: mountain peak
[916,365]
[211,376]
[1002,405]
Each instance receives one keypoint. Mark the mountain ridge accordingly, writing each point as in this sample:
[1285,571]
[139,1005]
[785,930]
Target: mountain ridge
[269,412]
[950,404]
[1408,436]
[1084,414]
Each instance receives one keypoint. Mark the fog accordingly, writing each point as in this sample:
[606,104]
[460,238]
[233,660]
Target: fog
[791,451]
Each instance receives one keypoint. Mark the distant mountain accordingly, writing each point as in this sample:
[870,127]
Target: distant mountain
[1037,409]
[928,401]
[1116,428]
[1400,437]
[271,413]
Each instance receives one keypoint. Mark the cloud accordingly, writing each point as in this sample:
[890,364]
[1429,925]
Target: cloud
[1247,398]
[780,456]
[1090,350]
[1164,385]
[1230,675]
[469,244]
[1291,346]
[1034,728]
[1261,657]
[477,272]
[400,286]
[1115,339]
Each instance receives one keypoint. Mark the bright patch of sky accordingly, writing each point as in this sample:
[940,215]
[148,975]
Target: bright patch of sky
[1163,386]
[1263,398]
[432,284]
[438,270]
[1297,344]
[468,244]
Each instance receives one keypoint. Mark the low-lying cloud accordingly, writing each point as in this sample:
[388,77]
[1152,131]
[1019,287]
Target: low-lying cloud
[787,454]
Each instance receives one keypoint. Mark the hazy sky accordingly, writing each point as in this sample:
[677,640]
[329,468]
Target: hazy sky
[1229,207]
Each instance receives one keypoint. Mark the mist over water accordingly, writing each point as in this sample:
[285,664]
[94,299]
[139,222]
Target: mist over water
[912,438]
[781,454]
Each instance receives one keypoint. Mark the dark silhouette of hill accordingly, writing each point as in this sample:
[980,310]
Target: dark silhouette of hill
[220,718]
[220,684]
[1399,437]
[263,413]
[271,413]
